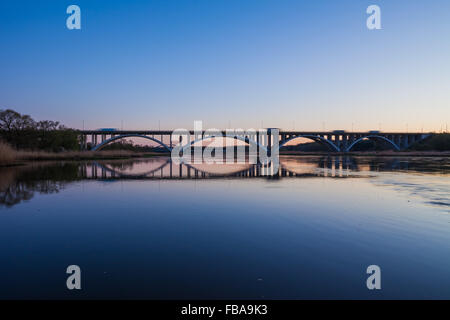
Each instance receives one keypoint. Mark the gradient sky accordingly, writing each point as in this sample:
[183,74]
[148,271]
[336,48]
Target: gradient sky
[245,63]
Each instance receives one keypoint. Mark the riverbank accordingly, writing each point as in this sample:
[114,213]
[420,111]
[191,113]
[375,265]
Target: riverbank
[11,157]
[387,153]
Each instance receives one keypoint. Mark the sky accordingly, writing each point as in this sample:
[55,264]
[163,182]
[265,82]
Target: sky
[303,65]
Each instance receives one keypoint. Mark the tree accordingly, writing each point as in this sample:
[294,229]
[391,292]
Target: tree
[47,125]
[23,132]
[8,118]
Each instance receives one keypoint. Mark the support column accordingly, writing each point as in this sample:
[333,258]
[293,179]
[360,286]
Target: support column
[82,142]
[257,146]
[344,142]
[413,139]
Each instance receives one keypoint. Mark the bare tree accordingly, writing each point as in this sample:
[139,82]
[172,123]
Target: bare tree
[47,125]
[8,118]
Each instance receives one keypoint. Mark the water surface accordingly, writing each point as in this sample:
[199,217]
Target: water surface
[148,228]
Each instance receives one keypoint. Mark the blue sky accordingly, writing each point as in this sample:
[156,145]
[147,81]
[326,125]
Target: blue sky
[306,65]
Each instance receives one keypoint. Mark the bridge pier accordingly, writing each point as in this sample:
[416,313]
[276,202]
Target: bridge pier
[269,142]
[83,142]
[404,143]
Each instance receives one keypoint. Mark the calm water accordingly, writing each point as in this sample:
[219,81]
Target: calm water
[152,229]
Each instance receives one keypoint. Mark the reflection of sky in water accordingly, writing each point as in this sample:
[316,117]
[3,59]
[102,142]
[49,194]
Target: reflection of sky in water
[309,235]
[433,190]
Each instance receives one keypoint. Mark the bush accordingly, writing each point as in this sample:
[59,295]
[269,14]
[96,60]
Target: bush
[7,154]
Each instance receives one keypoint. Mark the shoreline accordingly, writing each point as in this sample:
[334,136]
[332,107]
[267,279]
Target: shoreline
[373,153]
[27,157]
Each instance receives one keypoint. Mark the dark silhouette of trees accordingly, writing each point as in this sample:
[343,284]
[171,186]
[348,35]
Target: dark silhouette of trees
[437,142]
[23,132]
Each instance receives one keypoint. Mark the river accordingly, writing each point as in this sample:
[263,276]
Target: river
[149,228]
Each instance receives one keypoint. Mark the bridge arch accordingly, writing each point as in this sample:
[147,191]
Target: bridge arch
[215,174]
[373,137]
[315,138]
[108,141]
[124,175]
[235,137]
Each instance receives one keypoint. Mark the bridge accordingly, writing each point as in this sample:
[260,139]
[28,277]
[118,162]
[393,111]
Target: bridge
[335,141]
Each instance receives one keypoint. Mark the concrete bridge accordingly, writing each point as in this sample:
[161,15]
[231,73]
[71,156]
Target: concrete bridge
[335,141]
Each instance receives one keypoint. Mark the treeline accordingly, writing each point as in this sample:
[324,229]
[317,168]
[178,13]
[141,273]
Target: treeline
[23,132]
[436,142]
[130,146]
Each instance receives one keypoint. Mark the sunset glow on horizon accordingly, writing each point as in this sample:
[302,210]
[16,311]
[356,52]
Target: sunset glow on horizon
[232,64]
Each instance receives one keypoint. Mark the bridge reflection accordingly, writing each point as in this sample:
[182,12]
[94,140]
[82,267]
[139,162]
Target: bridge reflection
[21,183]
[164,168]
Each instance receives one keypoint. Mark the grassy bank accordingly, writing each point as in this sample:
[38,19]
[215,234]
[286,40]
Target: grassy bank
[9,156]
